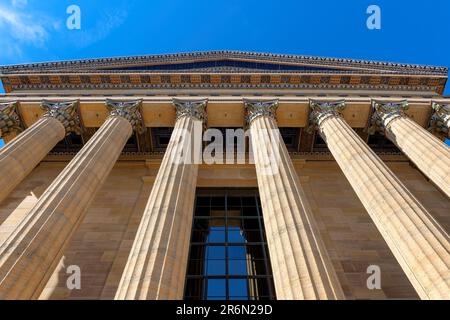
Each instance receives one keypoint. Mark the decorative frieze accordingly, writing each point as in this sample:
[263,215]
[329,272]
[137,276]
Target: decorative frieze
[257,108]
[66,112]
[10,120]
[130,110]
[191,108]
[440,119]
[321,110]
[383,112]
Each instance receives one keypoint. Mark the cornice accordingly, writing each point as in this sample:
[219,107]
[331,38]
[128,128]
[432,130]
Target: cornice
[89,64]
[239,81]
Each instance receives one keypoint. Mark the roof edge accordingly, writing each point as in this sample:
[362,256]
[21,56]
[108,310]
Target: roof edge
[439,70]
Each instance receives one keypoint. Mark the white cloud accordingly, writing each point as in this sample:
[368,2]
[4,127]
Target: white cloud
[19,3]
[23,28]
[20,27]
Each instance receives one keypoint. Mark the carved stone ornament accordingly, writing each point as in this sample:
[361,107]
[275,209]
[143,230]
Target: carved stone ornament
[440,119]
[321,110]
[257,108]
[130,110]
[10,120]
[191,108]
[66,112]
[383,112]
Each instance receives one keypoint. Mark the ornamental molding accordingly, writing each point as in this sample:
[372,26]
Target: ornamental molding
[258,108]
[259,80]
[130,110]
[10,119]
[89,64]
[440,117]
[319,111]
[384,112]
[191,108]
[66,112]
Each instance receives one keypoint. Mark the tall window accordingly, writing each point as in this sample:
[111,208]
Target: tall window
[228,257]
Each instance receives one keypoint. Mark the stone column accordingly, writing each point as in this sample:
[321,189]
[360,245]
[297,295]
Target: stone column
[428,153]
[419,243]
[19,157]
[300,263]
[30,254]
[156,266]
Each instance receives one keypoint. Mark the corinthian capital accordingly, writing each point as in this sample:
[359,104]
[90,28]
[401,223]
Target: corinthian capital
[257,108]
[9,119]
[383,112]
[321,110]
[130,110]
[191,108]
[64,111]
[440,119]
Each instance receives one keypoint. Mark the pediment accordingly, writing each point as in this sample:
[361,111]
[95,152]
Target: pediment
[222,66]
[223,70]
[225,61]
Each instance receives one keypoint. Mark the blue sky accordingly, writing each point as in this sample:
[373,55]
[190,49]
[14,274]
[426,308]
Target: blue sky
[413,31]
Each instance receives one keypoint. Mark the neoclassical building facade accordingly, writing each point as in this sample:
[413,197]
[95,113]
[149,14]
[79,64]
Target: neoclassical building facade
[342,192]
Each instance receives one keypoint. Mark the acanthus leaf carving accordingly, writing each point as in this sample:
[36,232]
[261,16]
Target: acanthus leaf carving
[440,118]
[258,108]
[66,112]
[10,120]
[130,110]
[321,110]
[384,112]
[191,108]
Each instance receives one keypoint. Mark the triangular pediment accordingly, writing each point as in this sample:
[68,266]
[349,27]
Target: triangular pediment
[223,65]
[222,70]
[226,62]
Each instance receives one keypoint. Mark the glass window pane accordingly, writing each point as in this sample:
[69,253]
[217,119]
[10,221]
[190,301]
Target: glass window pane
[238,288]
[196,267]
[253,236]
[199,235]
[235,235]
[249,211]
[194,289]
[216,234]
[202,211]
[216,288]
[197,251]
[215,252]
[203,202]
[234,222]
[215,268]
[237,252]
[250,224]
[218,202]
[248,201]
[233,202]
[237,267]
[201,224]
[255,251]
[217,298]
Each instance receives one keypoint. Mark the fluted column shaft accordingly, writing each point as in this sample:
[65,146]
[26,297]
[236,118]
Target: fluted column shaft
[19,157]
[30,254]
[428,153]
[417,241]
[156,266]
[301,266]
